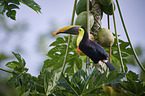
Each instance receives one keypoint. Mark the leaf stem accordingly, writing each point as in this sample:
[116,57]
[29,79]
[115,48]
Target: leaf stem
[135,55]
[88,25]
[108,22]
[6,70]
[110,46]
[88,21]
[119,51]
[66,53]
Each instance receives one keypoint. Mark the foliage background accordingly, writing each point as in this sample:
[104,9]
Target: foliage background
[32,43]
[31,34]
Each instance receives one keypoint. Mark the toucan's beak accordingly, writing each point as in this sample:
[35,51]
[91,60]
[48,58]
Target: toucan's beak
[68,30]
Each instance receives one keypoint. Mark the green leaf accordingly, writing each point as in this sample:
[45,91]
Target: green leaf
[133,85]
[37,94]
[2,9]
[9,5]
[89,82]
[12,6]
[40,83]
[13,1]
[13,64]
[114,91]
[11,14]
[21,79]
[103,79]
[56,57]
[23,82]
[32,4]
[74,63]
[58,41]
[50,80]
[133,76]
[66,84]
[17,66]
[21,90]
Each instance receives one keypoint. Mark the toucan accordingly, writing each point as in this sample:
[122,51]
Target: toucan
[90,48]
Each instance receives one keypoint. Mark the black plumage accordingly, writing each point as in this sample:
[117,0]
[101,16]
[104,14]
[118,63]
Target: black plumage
[93,50]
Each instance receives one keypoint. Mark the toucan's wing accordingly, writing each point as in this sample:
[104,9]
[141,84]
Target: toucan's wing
[100,50]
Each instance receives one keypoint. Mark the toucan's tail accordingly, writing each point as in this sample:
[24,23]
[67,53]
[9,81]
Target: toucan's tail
[111,67]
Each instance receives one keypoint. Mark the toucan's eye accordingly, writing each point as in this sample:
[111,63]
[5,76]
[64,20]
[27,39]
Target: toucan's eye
[80,29]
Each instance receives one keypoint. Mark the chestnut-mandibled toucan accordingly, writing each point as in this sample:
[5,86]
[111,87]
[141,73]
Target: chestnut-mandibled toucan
[90,48]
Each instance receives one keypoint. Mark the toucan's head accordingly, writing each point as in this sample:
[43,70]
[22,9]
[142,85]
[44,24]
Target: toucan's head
[74,29]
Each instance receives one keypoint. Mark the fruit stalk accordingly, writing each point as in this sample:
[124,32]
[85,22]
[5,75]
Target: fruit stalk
[110,46]
[88,25]
[119,51]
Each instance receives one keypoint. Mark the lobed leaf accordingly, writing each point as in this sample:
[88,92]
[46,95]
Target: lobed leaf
[17,66]
[13,6]
[8,6]
[13,1]
[50,80]
[11,14]
[32,4]
[132,85]
[87,82]
[56,57]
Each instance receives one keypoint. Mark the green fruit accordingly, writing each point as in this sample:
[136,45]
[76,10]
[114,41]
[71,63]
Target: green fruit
[105,2]
[82,19]
[91,37]
[82,6]
[105,37]
[108,9]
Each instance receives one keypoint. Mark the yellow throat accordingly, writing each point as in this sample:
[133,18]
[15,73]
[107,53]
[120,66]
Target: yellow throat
[80,36]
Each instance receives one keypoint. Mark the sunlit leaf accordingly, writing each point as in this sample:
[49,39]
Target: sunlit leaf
[114,91]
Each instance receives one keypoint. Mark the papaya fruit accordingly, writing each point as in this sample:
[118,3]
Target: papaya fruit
[82,19]
[105,37]
[82,6]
